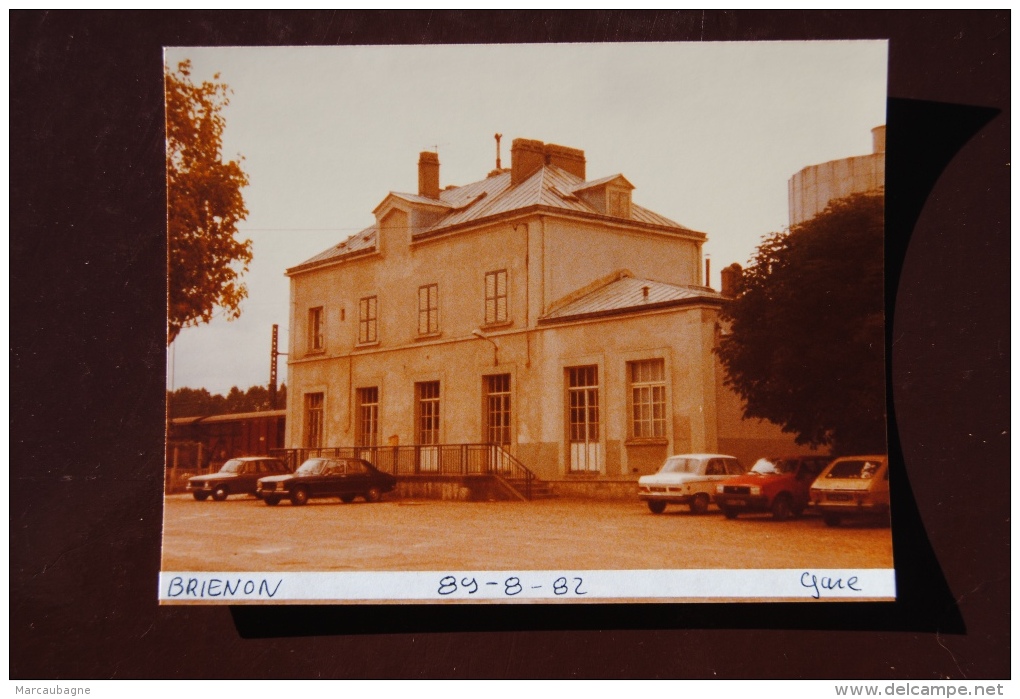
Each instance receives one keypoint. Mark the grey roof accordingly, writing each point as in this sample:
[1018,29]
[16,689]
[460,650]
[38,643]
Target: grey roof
[362,241]
[602,180]
[549,187]
[625,294]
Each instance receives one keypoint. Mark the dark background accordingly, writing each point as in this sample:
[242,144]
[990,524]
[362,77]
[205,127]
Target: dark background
[88,377]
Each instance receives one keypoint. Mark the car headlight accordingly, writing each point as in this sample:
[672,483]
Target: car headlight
[755,490]
[719,489]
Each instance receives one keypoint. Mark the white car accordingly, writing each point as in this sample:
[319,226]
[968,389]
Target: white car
[687,479]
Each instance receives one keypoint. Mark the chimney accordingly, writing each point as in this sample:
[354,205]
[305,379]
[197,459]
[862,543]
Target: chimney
[428,174]
[526,156]
[731,279]
[878,139]
[569,159]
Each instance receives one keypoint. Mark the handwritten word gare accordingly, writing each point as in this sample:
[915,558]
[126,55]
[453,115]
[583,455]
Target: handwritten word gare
[818,585]
[216,587]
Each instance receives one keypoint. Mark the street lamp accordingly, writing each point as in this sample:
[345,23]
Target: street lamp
[479,334]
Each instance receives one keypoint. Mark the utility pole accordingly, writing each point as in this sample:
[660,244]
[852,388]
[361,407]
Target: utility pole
[274,353]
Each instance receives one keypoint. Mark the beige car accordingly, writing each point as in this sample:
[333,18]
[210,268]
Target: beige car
[687,479]
[852,486]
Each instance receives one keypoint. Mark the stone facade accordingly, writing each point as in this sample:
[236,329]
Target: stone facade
[520,311]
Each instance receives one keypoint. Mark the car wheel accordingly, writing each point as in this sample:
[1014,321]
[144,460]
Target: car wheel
[656,506]
[831,520]
[782,508]
[200,496]
[299,496]
[373,495]
[729,512]
[220,494]
[699,505]
[347,498]
[272,499]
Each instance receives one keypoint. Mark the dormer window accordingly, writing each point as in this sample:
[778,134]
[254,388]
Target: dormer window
[609,196]
[619,202]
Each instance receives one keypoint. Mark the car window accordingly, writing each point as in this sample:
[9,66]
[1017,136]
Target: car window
[716,468]
[769,466]
[355,466]
[678,464]
[855,468]
[312,467]
[734,467]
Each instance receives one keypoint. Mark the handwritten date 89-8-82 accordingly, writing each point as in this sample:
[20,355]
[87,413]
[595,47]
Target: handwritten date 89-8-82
[511,586]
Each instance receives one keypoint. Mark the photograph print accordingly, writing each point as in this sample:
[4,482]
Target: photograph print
[526,323]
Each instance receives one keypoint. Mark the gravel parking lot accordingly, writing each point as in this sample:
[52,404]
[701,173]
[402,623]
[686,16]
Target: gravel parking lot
[243,534]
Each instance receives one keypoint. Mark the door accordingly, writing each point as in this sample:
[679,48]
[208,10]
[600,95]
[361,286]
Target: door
[427,425]
[583,419]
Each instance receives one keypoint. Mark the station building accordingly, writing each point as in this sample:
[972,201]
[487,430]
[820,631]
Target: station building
[535,310]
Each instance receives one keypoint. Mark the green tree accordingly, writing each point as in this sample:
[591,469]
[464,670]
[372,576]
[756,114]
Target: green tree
[204,205]
[195,402]
[805,346]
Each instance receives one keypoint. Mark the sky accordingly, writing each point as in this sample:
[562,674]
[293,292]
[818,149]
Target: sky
[708,133]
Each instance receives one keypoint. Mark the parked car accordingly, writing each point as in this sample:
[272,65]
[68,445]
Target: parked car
[327,477]
[852,486]
[687,479]
[779,485]
[235,477]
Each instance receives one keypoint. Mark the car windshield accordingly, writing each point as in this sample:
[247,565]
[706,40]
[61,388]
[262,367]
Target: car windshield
[863,469]
[773,466]
[680,464]
[232,466]
[312,467]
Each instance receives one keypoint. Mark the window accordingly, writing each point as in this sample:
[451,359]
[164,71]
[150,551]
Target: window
[368,313]
[583,418]
[495,297]
[428,309]
[367,427]
[315,339]
[497,408]
[648,398]
[583,400]
[619,203]
[313,420]
[427,407]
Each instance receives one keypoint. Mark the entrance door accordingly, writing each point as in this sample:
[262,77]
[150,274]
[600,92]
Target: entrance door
[427,407]
[583,419]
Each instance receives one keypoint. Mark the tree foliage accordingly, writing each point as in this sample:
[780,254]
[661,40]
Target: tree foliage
[194,402]
[806,341]
[204,205]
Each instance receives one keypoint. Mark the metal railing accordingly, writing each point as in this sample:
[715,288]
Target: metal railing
[427,459]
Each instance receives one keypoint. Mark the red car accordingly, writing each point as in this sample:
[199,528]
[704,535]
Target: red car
[780,485]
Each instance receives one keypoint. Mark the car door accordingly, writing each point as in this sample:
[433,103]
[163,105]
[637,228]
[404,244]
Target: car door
[339,481]
[338,477]
[358,477]
[319,484]
[246,477]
